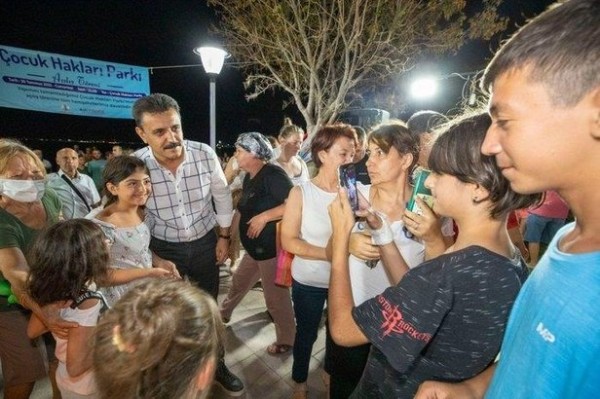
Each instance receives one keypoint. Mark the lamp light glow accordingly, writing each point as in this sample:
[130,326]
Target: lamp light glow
[424,88]
[212,58]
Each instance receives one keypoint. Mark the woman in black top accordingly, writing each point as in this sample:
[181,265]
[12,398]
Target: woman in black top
[265,189]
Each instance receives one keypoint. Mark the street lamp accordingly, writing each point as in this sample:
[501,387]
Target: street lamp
[212,61]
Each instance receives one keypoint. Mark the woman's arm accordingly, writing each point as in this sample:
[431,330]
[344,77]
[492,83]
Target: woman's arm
[14,268]
[393,261]
[290,229]
[258,222]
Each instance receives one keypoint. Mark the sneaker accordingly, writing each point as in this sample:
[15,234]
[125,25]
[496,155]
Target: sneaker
[230,383]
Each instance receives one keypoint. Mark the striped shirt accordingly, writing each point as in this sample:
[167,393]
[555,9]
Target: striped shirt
[180,208]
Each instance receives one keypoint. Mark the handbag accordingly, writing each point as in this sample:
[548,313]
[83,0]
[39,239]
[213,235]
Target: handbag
[283,268]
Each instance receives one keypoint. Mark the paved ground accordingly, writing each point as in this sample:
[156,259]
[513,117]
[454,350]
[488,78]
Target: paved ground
[248,334]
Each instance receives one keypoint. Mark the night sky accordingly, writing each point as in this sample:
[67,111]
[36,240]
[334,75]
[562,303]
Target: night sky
[156,33]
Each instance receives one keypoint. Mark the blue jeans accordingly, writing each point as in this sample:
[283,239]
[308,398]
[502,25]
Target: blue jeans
[308,306]
[541,229]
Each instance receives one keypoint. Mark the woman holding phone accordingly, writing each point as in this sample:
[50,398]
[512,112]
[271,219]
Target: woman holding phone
[444,319]
[305,231]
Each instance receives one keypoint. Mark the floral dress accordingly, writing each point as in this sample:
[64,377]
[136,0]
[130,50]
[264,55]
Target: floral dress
[129,249]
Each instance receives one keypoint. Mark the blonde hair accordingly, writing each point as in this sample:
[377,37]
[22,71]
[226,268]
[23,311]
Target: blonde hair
[12,148]
[156,340]
[289,129]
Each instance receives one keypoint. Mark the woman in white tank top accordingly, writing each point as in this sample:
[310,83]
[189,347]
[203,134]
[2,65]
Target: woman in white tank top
[305,232]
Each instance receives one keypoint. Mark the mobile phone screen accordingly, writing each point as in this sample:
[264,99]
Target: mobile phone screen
[348,181]
[419,190]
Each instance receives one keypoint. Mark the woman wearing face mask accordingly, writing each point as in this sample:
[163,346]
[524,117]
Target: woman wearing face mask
[25,208]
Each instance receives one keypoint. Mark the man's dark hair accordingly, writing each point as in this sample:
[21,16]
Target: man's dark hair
[153,104]
[425,122]
[561,49]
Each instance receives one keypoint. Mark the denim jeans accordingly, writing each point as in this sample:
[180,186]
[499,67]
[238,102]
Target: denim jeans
[308,306]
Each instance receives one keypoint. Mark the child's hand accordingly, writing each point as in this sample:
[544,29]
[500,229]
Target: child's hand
[159,272]
[169,266]
[340,212]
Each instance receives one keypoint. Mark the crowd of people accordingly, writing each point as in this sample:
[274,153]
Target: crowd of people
[110,272]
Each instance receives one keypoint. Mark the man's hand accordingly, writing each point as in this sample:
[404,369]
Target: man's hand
[222,250]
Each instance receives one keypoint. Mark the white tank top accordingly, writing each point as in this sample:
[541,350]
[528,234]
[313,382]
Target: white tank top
[315,229]
[366,283]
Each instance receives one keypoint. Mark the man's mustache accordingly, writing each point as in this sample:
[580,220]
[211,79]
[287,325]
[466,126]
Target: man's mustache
[172,145]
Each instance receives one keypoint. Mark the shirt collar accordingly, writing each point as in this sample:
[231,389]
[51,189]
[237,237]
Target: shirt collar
[61,173]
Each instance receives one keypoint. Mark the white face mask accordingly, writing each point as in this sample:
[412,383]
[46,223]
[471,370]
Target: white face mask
[23,190]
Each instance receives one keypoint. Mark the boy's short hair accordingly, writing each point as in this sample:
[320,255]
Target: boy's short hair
[562,48]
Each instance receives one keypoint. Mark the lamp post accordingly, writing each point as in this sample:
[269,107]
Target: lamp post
[212,60]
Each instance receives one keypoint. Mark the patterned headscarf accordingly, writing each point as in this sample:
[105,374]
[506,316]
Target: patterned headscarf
[257,144]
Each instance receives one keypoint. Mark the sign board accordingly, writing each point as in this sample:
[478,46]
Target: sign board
[48,82]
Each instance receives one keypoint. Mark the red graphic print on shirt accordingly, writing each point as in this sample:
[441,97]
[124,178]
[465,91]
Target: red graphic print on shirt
[394,322]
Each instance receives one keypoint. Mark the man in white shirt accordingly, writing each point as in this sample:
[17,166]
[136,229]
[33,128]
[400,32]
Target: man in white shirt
[186,179]
[76,191]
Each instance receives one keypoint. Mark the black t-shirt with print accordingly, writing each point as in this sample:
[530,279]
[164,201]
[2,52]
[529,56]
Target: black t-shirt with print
[268,189]
[444,321]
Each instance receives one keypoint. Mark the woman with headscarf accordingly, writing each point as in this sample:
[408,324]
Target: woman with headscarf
[264,192]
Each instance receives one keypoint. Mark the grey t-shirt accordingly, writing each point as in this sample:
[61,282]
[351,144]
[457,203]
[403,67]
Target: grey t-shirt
[443,321]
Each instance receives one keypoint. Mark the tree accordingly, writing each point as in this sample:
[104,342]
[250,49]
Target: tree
[318,51]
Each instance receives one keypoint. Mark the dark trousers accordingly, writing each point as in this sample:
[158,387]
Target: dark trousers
[345,366]
[196,260]
[308,306]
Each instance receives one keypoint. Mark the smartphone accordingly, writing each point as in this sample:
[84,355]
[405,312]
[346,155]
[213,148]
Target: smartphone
[419,190]
[348,181]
